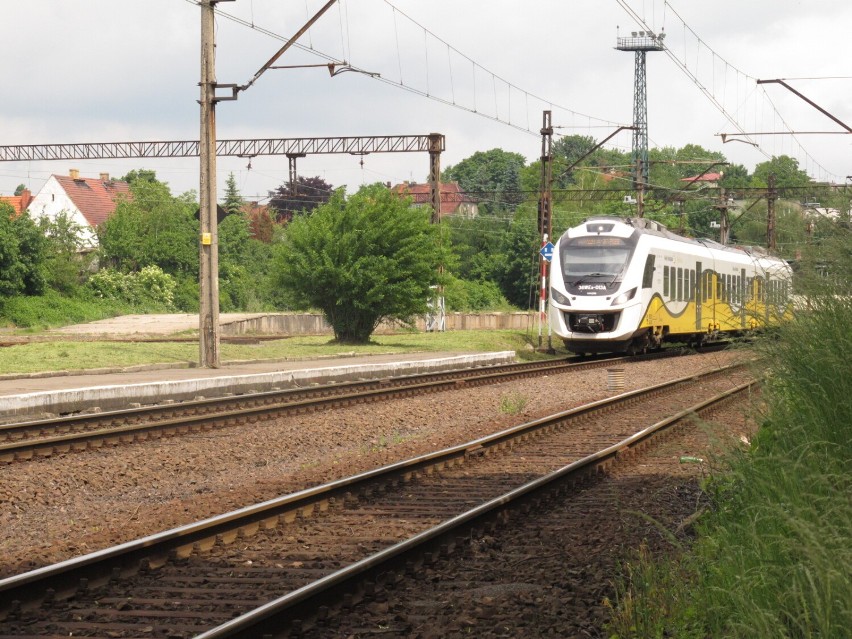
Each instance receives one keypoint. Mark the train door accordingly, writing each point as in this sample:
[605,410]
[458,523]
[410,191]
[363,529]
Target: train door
[699,295]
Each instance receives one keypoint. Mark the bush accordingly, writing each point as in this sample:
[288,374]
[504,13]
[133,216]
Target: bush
[480,295]
[360,261]
[148,287]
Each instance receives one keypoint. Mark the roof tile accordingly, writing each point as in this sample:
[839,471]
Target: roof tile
[95,198]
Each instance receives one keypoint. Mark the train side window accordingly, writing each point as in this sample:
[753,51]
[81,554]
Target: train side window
[708,282]
[692,283]
[648,275]
[736,289]
[718,287]
[679,284]
[665,281]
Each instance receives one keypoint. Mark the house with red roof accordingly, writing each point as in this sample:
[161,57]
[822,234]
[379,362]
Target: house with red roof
[705,179]
[18,202]
[453,200]
[86,201]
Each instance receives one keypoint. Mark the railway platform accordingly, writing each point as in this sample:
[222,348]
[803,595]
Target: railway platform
[51,394]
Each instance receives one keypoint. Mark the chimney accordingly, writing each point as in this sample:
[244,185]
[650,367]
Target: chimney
[75,174]
[26,198]
[104,177]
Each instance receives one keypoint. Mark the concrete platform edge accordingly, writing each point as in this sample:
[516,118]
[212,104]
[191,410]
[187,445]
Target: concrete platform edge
[120,396]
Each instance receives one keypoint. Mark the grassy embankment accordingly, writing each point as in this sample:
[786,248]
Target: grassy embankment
[773,557]
[78,355]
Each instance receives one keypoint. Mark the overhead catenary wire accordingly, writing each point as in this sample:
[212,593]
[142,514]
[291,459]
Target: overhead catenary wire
[733,118]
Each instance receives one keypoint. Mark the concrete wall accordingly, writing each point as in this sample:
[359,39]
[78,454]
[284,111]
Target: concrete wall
[314,324]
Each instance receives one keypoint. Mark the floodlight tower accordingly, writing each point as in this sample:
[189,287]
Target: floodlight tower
[640,42]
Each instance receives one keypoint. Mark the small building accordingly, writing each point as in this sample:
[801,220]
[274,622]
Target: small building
[707,179]
[18,202]
[453,200]
[86,201]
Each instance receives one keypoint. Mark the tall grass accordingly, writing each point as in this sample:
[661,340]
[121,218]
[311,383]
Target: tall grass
[53,309]
[773,559]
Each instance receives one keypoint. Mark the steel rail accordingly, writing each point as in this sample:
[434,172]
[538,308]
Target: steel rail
[63,579]
[207,413]
[279,613]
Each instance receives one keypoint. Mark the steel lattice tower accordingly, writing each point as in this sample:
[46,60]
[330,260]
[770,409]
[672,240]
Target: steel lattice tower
[640,42]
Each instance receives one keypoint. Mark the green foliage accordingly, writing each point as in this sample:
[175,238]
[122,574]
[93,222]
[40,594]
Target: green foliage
[53,309]
[513,403]
[786,170]
[493,177]
[518,270]
[65,267]
[149,288]
[187,297]
[360,260]
[476,244]
[143,175]
[736,177]
[152,229]
[22,253]
[233,199]
[309,193]
[474,295]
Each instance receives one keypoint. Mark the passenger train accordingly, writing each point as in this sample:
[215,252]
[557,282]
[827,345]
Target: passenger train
[628,285]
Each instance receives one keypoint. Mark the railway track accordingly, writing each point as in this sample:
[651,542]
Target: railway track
[72,433]
[278,565]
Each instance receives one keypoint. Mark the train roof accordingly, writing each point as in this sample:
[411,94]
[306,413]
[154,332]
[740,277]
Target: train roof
[652,227]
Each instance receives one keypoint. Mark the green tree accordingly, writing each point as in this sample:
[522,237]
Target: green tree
[152,228]
[493,177]
[20,189]
[786,170]
[736,177]
[22,253]
[308,194]
[518,270]
[566,151]
[145,175]
[233,199]
[65,266]
[360,260]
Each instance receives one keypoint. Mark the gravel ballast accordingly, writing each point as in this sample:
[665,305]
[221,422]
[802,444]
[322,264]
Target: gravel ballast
[67,505]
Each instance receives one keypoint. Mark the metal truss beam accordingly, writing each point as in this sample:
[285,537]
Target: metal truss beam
[239,148]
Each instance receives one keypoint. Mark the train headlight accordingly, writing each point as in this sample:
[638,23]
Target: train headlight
[559,298]
[624,297]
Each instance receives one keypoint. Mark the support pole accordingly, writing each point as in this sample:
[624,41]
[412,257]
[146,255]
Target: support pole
[208,318]
[724,226]
[294,177]
[435,148]
[545,220]
[771,196]
[437,322]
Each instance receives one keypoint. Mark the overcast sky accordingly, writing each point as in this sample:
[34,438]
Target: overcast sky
[116,70]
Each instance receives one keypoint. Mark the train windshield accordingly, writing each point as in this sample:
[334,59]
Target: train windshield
[595,258]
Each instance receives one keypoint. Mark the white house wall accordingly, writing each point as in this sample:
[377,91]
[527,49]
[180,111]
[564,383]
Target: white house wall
[53,200]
